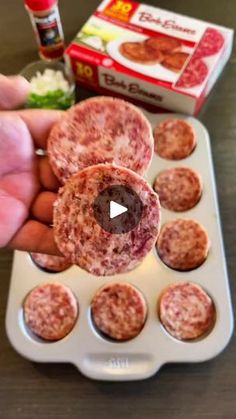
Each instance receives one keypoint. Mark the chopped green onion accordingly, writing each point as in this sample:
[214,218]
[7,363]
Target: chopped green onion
[50,90]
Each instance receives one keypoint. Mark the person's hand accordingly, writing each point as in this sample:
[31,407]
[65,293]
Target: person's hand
[27,185]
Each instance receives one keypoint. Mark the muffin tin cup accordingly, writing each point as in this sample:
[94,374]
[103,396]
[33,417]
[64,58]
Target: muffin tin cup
[102,359]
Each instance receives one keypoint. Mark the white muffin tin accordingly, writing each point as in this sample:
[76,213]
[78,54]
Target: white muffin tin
[141,357]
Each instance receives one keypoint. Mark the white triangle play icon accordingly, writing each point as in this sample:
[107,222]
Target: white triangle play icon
[116,209]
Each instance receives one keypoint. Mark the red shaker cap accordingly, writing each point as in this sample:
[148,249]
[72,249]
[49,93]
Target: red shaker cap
[40,5]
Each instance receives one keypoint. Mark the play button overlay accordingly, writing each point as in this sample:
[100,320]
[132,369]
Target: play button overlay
[118,209]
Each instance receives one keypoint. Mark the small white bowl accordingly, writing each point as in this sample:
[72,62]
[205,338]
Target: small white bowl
[43,101]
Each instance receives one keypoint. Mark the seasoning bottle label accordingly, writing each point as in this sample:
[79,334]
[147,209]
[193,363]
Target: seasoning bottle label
[49,29]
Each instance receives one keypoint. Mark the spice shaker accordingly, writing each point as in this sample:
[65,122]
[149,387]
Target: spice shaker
[45,19]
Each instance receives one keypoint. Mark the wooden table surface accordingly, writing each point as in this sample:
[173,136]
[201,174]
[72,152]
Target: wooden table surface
[191,391]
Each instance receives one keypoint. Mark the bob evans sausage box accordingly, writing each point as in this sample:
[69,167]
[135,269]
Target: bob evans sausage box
[149,55]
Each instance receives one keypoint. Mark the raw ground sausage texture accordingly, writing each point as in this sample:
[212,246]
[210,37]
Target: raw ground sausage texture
[119,311]
[174,139]
[78,235]
[178,188]
[51,263]
[100,130]
[210,44]
[50,311]
[186,311]
[183,244]
[194,74]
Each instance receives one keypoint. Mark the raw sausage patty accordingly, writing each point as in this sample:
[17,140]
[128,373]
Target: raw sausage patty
[194,74]
[186,311]
[179,189]
[174,139]
[183,244]
[100,130]
[139,53]
[119,311]
[175,61]
[78,235]
[164,44]
[210,44]
[50,311]
[51,263]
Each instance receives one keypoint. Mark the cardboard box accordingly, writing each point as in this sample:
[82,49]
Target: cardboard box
[150,56]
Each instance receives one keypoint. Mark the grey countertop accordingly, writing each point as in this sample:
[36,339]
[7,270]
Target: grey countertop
[185,391]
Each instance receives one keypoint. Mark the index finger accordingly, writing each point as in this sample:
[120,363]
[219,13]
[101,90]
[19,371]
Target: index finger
[35,237]
[40,123]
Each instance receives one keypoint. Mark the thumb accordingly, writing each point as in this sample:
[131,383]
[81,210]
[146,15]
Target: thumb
[13,91]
